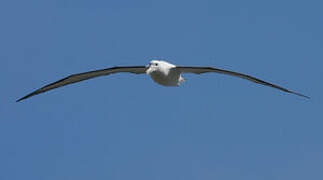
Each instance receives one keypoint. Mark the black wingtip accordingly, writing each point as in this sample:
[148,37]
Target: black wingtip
[21,99]
[25,97]
[301,95]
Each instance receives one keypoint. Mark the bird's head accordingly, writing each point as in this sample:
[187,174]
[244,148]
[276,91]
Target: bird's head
[159,66]
[153,66]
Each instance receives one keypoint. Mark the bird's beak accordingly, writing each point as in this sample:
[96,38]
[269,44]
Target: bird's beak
[149,70]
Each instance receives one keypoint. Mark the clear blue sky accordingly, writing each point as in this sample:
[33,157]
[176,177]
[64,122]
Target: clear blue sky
[124,126]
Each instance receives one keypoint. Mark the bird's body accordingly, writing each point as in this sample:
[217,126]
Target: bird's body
[164,73]
[161,72]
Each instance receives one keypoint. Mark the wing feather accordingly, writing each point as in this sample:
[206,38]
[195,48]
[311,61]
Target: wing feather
[84,76]
[199,70]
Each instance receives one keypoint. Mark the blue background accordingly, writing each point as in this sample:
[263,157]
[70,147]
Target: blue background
[125,126]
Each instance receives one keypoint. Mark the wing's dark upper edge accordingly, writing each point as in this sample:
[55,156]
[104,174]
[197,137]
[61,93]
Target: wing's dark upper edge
[199,70]
[74,78]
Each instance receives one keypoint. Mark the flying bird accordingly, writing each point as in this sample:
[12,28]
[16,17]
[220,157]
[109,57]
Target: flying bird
[161,72]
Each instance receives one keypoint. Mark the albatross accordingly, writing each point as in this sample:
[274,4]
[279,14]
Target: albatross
[161,72]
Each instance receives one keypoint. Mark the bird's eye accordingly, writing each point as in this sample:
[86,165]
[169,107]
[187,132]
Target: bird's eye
[156,64]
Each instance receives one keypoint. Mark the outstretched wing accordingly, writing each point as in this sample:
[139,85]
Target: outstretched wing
[199,70]
[84,76]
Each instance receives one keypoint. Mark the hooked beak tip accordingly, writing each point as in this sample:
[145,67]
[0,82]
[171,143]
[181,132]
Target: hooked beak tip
[148,71]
